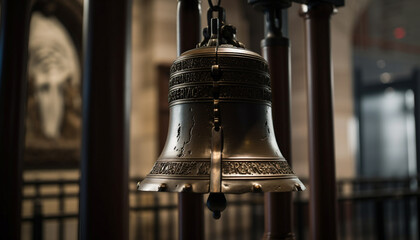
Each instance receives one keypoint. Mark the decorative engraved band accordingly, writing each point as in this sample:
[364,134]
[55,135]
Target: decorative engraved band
[241,168]
[227,92]
[207,62]
[242,77]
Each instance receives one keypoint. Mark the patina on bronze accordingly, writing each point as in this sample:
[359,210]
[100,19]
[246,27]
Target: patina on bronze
[221,137]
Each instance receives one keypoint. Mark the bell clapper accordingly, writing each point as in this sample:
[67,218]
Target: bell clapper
[216,202]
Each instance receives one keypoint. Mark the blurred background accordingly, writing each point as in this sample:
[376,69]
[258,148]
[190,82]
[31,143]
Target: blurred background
[376,65]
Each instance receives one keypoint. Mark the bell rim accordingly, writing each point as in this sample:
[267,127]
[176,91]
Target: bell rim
[222,50]
[289,183]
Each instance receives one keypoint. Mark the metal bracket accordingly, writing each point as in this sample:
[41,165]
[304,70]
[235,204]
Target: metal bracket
[217,27]
[216,160]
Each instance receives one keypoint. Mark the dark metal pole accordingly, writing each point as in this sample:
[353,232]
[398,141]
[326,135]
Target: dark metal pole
[188,25]
[416,80]
[106,109]
[275,49]
[14,34]
[191,205]
[323,202]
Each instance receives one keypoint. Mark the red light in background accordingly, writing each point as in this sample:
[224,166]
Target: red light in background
[399,33]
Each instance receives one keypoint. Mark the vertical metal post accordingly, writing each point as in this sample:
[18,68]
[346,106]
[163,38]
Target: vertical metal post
[323,201]
[61,209]
[188,25]
[106,110]
[300,216]
[190,205]
[14,34]
[416,80]
[37,224]
[416,89]
[156,218]
[380,220]
[275,49]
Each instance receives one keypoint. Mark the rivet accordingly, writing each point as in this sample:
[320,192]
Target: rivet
[298,187]
[162,187]
[256,187]
[187,188]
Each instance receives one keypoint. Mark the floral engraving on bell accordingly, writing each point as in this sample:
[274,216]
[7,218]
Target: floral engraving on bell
[190,168]
[190,77]
[256,168]
[241,77]
[202,62]
[205,62]
[227,92]
[196,168]
[192,92]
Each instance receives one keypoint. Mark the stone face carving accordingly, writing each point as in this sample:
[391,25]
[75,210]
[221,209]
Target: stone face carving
[54,103]
[53,69]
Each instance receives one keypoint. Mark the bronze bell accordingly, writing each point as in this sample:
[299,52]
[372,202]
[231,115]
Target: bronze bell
[221,137]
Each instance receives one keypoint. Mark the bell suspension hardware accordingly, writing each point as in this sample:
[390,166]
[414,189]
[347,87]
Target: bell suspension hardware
[221,136]
[216,201]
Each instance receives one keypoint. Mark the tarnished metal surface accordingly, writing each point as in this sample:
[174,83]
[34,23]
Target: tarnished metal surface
[250,159]
[216,161]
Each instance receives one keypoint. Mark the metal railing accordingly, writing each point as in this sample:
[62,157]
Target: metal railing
[367,209]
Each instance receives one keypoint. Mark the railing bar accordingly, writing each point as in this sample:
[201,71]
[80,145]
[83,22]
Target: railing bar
[347,218]
[51,217]
[172,216]
[225,224]
[238,216]
[61,211]
[353,225]
[407,217]
[300,217]
[396,209]
[253,219]
[358,208]
[342,181]
[50,196]
[395,220]
[342,218]
[153,208]
[418,211]
[138,232]
[379,216]
[50,182]
[37,221]
[156,217]
[364,215]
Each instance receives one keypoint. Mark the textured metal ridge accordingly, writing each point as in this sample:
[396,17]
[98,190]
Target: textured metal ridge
[244,76]
[220,88]
[229,167]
